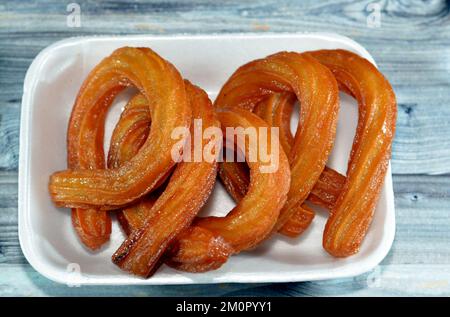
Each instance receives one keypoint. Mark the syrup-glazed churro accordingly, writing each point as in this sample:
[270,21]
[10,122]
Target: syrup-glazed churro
[316,89]
[128,137]
[206,251]
[276,111]
[188,189]
[352,214]
[163,86]
[85,151]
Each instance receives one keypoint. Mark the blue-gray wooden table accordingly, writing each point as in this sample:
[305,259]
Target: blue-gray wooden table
[410,40]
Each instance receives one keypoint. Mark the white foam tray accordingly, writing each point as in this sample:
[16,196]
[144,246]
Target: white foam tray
[46,235]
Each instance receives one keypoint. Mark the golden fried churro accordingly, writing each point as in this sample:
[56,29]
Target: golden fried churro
[163,87]
[276,111]
[352,214]
[188,189]
[254,216]
[85,151]
[317,91]
[206,251]
[128,137]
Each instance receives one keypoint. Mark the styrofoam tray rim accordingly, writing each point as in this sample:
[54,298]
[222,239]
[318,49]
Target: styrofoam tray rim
[25,234]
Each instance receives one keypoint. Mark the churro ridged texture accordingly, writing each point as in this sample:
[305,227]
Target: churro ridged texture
[369,158]
[163,86]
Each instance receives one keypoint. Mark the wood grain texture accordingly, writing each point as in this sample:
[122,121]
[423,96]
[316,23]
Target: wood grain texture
[411,47]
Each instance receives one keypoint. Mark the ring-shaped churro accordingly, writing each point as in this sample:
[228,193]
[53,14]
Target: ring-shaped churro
[317,91]
[207,251]
[188,189]
[276,110]
[164,88]
[254,216]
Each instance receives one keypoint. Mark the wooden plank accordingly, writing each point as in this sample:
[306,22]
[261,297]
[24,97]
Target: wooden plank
[22,280]
[422,204]
[10,252]
[385,280]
